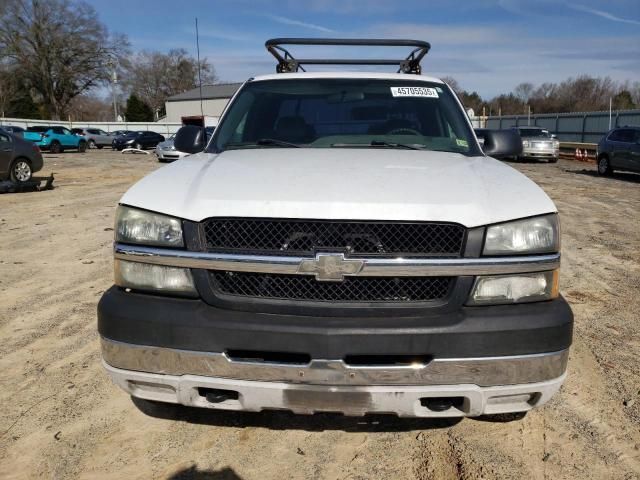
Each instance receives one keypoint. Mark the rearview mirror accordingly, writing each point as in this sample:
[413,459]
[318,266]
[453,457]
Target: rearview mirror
[190,139]
[502,143]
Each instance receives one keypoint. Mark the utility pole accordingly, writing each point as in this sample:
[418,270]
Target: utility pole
[610,105]
[113,63]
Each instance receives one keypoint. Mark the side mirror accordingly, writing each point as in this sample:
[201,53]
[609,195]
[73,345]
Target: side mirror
[502,143]
[190,139]
[554,136]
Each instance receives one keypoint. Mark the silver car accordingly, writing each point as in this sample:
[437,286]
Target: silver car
[538,143]
[166,152]
[96,138]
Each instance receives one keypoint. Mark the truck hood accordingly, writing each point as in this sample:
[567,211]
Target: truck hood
[346,183]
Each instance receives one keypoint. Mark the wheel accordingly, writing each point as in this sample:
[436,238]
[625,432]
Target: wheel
[82,147]
[92,144]
[137,146]
[100,147]
[21,171]
[604,167]
[55,147]
[553,160]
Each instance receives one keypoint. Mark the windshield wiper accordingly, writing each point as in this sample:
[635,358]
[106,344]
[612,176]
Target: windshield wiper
[382,143]
[279,143]
[263,141]
[377,143]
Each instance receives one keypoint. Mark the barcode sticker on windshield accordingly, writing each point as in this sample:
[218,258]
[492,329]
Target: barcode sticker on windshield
[414,92]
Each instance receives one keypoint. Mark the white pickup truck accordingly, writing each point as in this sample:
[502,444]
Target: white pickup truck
[341,244]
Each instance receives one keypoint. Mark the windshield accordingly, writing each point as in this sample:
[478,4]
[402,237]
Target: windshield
[345,113]
[534,132]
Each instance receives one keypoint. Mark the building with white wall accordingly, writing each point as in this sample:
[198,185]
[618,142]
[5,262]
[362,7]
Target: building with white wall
[187,104]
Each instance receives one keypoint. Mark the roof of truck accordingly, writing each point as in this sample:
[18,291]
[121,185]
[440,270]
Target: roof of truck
[340,74]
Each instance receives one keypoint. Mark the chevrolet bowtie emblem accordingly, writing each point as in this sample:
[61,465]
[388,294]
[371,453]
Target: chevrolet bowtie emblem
[330,267]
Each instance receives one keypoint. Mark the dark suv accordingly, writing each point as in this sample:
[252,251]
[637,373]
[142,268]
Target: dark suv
[619,150]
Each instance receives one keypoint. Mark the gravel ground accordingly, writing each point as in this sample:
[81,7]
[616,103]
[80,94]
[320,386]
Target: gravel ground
[62,418]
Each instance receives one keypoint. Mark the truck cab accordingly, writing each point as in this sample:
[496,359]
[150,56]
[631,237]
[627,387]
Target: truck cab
[342,243]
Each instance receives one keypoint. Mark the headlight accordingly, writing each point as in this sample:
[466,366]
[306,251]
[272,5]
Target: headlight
[146,228]
[155,278]
[525,143]
[531,235]
[528,287]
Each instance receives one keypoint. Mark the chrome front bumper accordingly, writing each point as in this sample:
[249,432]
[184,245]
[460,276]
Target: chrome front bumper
[482,371]
[476,386]
[540,152]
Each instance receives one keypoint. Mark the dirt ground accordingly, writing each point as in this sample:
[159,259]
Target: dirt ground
[62,418]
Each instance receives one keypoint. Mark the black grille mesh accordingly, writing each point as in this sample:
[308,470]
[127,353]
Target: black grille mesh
[301,237]
[352,289]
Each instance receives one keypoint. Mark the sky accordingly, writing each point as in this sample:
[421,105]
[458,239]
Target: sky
[488,46]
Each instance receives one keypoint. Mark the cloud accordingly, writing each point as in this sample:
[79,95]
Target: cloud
[297,23]
[437,35]
[602,14]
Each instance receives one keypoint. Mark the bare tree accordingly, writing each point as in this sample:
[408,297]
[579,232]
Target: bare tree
[523,91]
[7,89]
[60,48]
[453,83]
[90,108]
[155,76]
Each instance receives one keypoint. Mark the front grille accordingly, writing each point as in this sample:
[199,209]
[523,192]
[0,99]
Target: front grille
[352,289]
[305,237]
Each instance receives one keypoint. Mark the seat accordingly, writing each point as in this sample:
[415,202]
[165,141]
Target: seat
[294,129]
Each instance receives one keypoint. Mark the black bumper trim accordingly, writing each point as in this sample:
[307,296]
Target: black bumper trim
[143,319]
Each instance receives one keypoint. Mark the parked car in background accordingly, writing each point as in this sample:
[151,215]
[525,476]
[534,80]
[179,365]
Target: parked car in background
[19,158]
[56,139]
[538,143]
[95,137]
[17,131]
[117,133]
[619,150]
[139,140]
[166,151]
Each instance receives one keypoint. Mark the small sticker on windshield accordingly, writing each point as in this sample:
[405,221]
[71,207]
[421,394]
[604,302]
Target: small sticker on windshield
[462,143]
[414,92]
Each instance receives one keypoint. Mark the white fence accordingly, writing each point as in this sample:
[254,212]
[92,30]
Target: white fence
[163,128]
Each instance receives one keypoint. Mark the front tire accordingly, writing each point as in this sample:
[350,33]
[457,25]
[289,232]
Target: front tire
[21,171]
[604,166]
[82,147]
[553,160]
[92,144]
[55,147]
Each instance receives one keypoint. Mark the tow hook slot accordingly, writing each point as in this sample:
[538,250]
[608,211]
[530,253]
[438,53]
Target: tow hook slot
[441,404]
[215,395]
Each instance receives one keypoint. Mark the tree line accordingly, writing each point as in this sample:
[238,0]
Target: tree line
[56,56]
[577,94]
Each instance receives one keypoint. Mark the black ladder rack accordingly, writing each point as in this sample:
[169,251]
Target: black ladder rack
[288,63]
